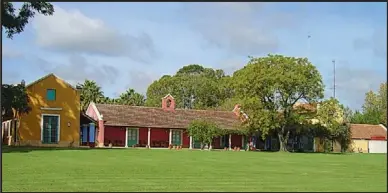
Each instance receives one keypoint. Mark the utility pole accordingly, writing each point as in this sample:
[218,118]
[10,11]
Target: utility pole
[334,78]
[333,61]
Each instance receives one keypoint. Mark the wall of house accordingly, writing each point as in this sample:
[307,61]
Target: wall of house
[336,147]
[143,137]
[236,140]
[217,143]
[320,147]
[67,98]
[377,146]
[159,135]
[114,135]
[91,113]
[185,140]
[359,146]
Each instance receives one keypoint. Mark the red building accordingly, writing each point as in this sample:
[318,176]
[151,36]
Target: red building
[127,126]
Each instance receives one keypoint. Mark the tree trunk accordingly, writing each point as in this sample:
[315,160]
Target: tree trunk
[283,141]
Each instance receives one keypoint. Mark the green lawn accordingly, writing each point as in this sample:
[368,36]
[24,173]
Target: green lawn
[184,170]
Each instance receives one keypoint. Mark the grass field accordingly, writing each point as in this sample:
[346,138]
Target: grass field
[184,170]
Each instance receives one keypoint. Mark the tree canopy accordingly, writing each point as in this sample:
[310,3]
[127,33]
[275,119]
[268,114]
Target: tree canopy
[14,101]
[14,21]
[374,109]
[193,87]
[331,116]
[204,131]
[130,97]
[270,86]
[90,92]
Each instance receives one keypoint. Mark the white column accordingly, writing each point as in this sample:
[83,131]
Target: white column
[149,138]
[191,142]
[181,138]
[170,137]
[126,137]
[230,141]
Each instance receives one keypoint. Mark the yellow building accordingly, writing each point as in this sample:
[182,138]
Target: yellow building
[54,119]
[368,138]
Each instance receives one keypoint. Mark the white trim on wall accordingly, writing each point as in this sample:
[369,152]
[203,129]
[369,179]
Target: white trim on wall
[170,137]
[191,142]
[381,125]
[93,105]
[59,126]
[149,138]
[181,137]
[126,137]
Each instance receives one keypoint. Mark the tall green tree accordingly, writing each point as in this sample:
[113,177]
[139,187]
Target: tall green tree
[160,88]
[193,87]
[271,86]
[90,92]
[332,117]
[14,101]
[130,97]
[374,109]
[14,21]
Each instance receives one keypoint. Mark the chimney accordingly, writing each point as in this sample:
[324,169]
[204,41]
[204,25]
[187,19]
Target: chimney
[236,110]
[168,103]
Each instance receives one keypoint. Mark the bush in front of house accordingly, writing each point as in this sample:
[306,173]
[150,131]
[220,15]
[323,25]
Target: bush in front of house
[204,131]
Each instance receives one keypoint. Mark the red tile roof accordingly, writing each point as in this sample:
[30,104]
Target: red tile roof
[305,107]
[366,131]
[136,116]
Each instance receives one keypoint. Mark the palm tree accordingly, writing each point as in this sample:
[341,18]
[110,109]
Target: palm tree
[138,99]
[130,97]
[90,92]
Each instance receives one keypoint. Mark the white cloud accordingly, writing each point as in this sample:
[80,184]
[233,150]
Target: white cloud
[231,65]
[72,31]
[9,52]
[10,77]
[235,27]
[352,84]
[377,43]
[78,68]
[140,80]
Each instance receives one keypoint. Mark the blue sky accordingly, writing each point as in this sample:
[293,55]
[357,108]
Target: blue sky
[129,45]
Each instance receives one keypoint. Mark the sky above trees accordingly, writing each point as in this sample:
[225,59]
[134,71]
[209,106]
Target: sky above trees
[129,45]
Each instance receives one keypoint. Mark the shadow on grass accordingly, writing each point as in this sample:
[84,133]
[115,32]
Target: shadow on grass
[7,149]
[13,149]
[303,152]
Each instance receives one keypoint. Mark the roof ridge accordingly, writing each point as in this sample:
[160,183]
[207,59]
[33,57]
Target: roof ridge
[383,126]
[179,109]
[46,76]
[363,124]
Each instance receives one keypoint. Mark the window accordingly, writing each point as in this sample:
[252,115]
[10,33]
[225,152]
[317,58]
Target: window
[168,103]
[50,133]
[51,94]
